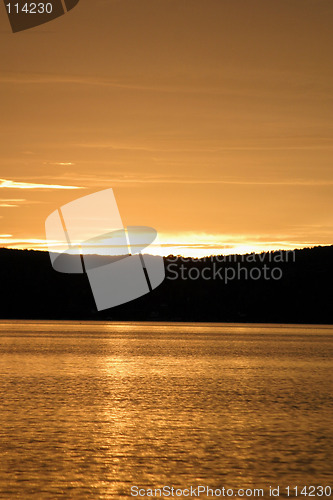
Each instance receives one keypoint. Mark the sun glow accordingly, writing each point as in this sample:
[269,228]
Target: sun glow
[182,244]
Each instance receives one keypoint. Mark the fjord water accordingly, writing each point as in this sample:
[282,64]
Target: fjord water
[89,410]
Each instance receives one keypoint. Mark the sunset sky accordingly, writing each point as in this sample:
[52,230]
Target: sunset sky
[210,119]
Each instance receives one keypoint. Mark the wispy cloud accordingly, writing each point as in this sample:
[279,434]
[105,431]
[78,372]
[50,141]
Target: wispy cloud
[13,199]
[7,183]
[16,202]
[215,83]
[202,244]
[22,243]
[134,180]
[60,163]
[321,143]
[168,86]
[84,80]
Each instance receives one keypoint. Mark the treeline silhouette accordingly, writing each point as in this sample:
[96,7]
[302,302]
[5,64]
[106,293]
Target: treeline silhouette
[298,291]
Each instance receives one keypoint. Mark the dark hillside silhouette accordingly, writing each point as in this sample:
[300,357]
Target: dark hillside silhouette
[31,289]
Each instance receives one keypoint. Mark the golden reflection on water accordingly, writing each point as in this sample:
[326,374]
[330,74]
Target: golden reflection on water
[89,410]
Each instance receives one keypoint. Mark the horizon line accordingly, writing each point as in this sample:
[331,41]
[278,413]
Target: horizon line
[311,247]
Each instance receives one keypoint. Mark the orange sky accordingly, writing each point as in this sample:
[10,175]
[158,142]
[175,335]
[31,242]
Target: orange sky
[211,119]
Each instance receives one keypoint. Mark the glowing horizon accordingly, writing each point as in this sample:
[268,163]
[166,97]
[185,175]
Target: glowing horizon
[175,248]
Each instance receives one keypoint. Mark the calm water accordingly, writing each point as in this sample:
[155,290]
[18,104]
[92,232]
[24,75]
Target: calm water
[89,410]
